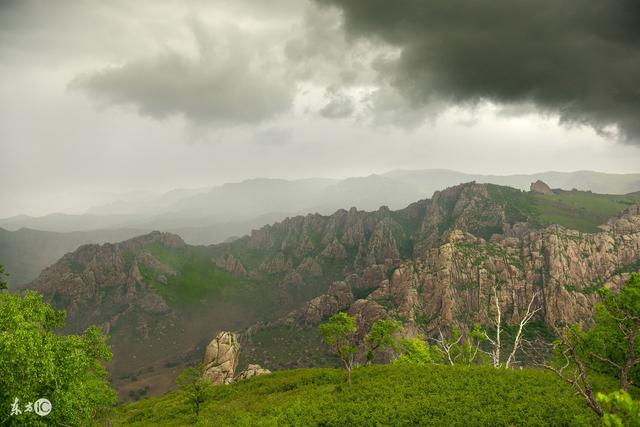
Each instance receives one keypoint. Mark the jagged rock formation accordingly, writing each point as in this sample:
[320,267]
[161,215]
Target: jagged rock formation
[452,284]
[221,358]
[252,371]
[540,187]
[231,264]
[98,284]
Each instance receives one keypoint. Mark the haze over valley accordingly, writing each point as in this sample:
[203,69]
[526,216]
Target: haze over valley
[212,215]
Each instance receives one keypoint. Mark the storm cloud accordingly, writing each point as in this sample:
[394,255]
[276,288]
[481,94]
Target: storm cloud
[228,81]
[194,93]
[577,59]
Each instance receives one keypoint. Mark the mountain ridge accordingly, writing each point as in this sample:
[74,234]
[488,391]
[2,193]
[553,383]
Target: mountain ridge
[249,199]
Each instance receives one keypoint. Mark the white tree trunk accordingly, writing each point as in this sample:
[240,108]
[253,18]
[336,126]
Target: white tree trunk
[525,319]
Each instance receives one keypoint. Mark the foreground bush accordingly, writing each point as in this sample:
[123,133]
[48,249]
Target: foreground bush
[401,394]
[36,362]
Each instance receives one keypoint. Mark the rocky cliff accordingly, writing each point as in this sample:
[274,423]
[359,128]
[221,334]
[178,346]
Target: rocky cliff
[97,284]
[452,283]
[470,242]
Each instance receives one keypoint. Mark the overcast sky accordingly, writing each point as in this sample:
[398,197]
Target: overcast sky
[99,98]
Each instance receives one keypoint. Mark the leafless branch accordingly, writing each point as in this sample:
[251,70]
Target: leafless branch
[577,378]
[525,319]
[446,346]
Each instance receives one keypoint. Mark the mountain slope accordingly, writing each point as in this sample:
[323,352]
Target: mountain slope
[432,265]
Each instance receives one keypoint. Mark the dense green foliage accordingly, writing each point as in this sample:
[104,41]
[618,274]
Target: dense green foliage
[608,348]
[417,352]
[613,344]
[35,363]
[381,337]
[620,409]
[402,394]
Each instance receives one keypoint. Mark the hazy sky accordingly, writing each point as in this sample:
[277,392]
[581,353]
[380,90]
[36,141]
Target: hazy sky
[103,97]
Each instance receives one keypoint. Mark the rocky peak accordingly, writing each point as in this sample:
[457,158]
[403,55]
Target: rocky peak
[169,240]
[470,207]
[231,264]
[540,187]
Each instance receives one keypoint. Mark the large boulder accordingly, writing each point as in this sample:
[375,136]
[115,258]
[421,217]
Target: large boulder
[252,371]
[221,358]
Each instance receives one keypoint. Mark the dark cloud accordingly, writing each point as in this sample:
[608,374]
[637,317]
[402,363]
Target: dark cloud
[233,80]
[579,59]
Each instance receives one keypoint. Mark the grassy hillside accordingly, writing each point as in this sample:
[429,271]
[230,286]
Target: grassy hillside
[379,395]
[579,210]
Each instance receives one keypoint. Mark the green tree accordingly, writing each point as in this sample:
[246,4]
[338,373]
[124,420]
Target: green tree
[613,344]
[570,364]
[610,346]
[3,280]
[36,362]
[418,352]
[619,409]
[339,333]
[195,388]
[381,337]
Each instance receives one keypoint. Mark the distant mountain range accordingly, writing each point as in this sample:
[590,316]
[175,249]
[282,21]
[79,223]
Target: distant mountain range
[395,189]
[212,215]
[243,203]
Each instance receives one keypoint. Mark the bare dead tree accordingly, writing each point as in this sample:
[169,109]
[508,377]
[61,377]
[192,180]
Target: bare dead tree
[495,343]
[446,347]
[460,348]
[523,322]
[473,350]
